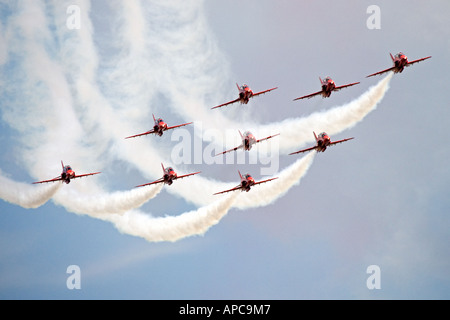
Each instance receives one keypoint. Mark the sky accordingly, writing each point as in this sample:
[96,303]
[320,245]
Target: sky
[76,77]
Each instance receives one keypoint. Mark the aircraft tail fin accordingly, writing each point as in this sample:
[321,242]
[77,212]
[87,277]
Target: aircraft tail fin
[240,175]
[154,119]
[238,86]
[242,136]
[315,136]
[164,170]
[392,57]
[320,80]
[62,164]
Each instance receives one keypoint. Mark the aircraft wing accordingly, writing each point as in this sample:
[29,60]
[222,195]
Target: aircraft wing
[150,183]
[227,103]
[381,72]
[234,149]
[309,95]
[51,180]
[418,60]
[345,86]
[335,142]
[85,175]
[229,190]
[267,138]
[304,150]
[177,126]
[187,175]
[265,181]
[262,92]
[141,134]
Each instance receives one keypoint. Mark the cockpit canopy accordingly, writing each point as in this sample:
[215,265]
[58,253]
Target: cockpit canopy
[323,134]
[68,168]
[160,120]
[244,86]
[328,79]
[248,176]
[399,55]
[247,134]
[169,169]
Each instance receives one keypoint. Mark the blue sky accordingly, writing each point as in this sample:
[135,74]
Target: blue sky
[380,199]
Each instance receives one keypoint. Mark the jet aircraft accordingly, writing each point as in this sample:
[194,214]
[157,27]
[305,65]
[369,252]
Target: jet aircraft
[322,142]
[66,175]
[328,86]
[245,93]
[248,140]
[169,175]
[247,182]
[159,127]
[400,61]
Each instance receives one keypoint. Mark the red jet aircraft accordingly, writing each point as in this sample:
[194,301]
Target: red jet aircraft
[247,182]
[328,86]
[400,62]
[323,141]
[245,93]
[168,177]
[248,140]
[159,128]
[66,175]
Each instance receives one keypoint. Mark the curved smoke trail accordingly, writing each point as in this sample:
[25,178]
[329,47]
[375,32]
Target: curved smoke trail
[173,228]
[26,195]
[101,203]
[197,222]
[81,107]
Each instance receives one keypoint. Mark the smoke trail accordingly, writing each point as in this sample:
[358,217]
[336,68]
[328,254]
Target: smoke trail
[187,47]
[191,223]
[197,222]
[38,101]
[142,77]
[26,195]
[103,203]
[269,192]
[332,121]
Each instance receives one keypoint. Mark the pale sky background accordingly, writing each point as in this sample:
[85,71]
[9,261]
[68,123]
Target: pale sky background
[380,199]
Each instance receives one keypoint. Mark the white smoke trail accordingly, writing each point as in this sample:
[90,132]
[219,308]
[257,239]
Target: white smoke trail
[26,195]
[102,203]
[333,121]
[173,228]
[187,47]
[101,114]
[267,193]
[139,153]
[197,222]
[59,116]
[39,103]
